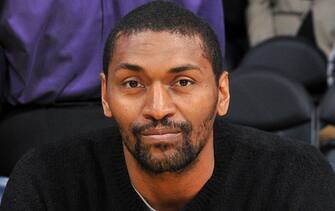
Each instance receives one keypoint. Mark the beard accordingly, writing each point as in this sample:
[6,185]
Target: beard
[182,154]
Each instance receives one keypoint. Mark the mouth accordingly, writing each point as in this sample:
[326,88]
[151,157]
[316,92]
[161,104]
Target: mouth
[161,134]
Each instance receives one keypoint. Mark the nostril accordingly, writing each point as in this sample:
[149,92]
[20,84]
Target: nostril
[157,116]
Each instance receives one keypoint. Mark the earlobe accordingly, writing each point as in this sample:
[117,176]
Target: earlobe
[224,96]
[104,96]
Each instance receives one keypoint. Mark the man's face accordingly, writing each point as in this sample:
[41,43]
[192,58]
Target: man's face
[161,90]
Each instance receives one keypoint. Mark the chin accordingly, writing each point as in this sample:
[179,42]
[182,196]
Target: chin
[162,158]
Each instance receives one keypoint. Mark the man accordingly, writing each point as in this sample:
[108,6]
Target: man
[50,60]
[163,84]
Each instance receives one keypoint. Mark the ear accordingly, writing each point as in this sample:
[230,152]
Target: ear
[104,96]
[224,96]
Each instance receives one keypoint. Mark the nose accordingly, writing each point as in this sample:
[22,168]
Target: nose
[158,104]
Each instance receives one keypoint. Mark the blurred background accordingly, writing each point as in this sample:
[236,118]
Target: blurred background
[280,55]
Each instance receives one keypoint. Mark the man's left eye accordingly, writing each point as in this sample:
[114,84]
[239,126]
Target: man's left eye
[184,82]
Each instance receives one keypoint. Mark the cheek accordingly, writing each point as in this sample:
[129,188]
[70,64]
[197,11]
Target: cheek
[199,109]
[124,110]
[198,106]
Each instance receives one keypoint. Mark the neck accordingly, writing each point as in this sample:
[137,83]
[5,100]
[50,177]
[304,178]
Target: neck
[172,191]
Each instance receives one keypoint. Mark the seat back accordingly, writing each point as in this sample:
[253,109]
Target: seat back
[292,58]
[272,103]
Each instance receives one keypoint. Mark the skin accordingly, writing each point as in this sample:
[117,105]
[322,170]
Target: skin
[159,75]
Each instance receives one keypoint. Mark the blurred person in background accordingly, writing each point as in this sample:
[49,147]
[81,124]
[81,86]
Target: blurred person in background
[311,19]
[50,60]
[328,132]
[236,32]
[331,67]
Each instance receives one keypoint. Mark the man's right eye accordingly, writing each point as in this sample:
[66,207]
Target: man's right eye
[133,84]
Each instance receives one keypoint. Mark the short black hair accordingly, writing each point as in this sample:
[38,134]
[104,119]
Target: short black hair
[160,16]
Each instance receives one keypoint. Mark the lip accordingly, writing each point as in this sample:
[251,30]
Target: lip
[160,131]
[161,134]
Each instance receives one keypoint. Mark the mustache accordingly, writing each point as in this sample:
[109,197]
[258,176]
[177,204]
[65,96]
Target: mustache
[183,126]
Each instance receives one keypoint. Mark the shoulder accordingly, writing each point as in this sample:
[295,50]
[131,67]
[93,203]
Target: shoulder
[287,168]
[69,154]
[44,173]
[255,138]
[271,146]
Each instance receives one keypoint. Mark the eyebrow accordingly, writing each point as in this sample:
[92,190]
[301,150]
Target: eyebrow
[174,70]
[184,68]
[131,67]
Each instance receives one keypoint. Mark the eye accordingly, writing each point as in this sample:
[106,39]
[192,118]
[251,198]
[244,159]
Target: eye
[133,84]
[184,82]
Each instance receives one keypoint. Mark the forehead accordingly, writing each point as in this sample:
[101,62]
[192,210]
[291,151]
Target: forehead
[158,47]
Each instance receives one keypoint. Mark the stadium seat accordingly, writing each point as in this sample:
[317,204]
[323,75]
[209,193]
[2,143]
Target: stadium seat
[293,58]
[270,102]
